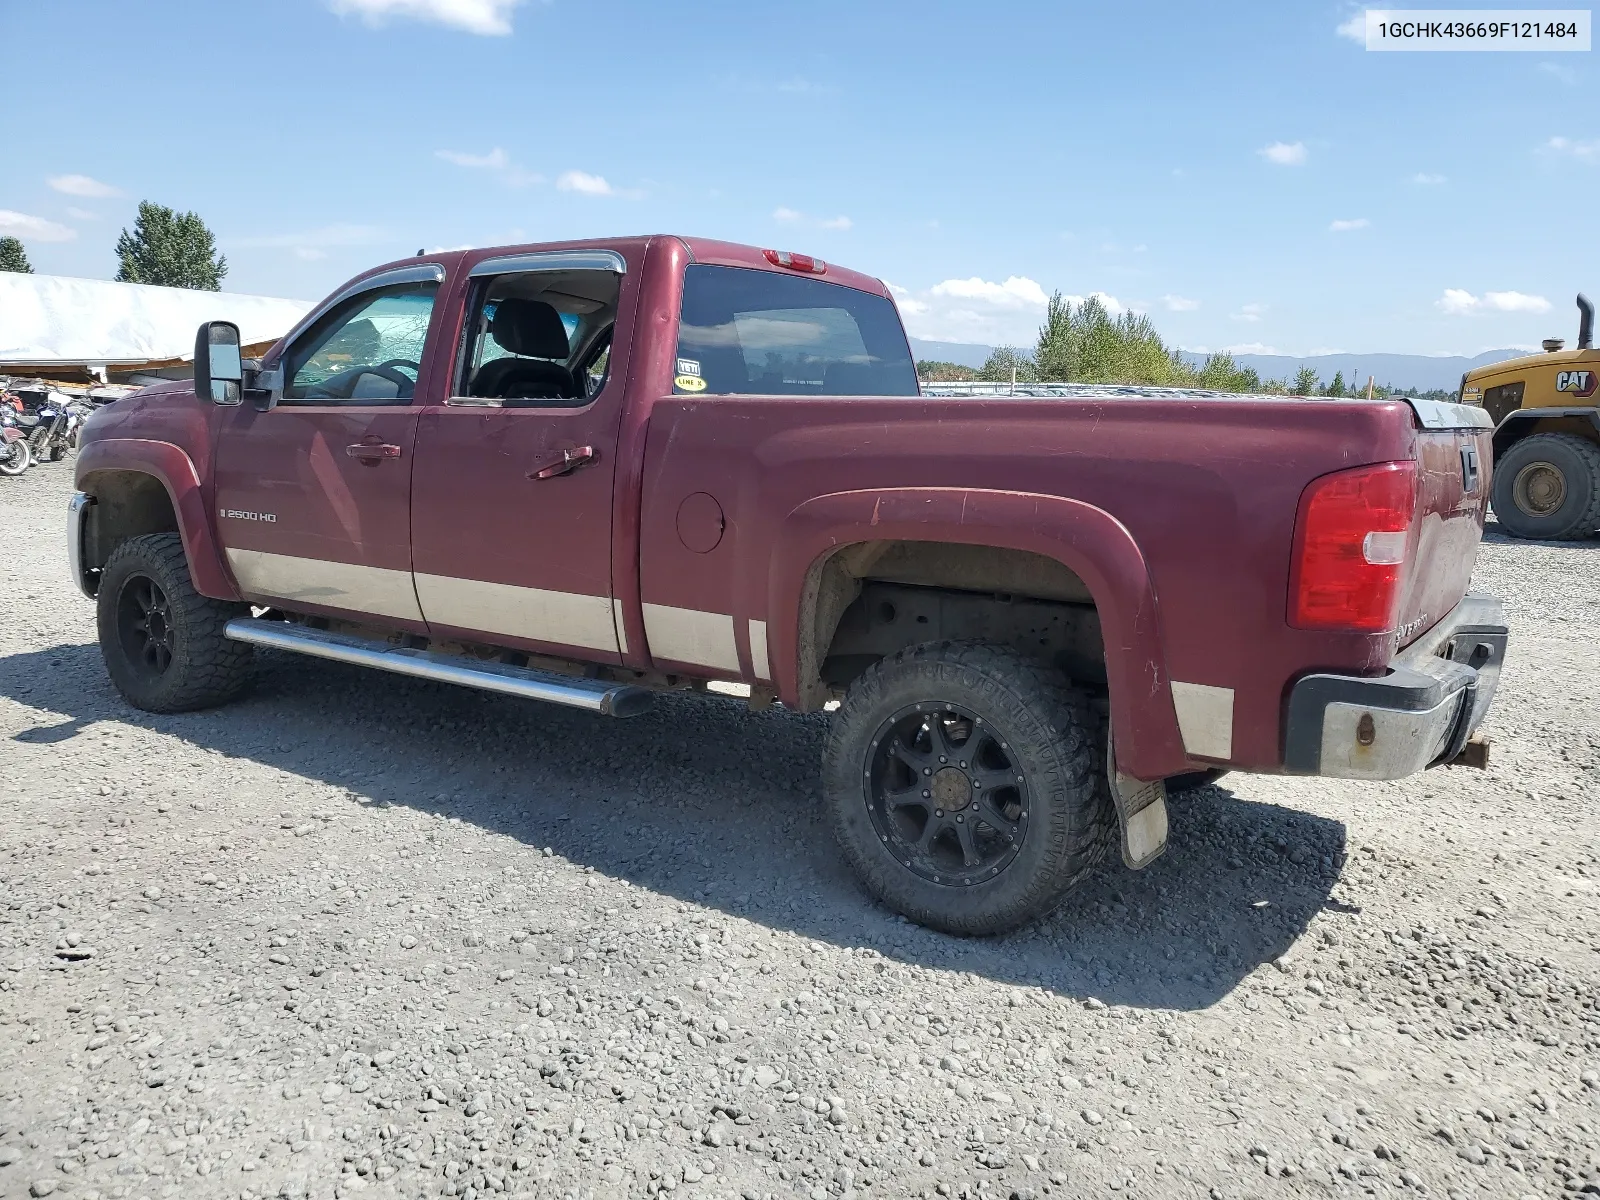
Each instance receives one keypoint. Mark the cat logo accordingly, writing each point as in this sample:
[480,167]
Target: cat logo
[1575,383]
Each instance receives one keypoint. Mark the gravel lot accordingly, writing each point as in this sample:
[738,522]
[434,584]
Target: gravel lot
[357,933]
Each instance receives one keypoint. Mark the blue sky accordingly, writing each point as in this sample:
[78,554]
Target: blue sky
[1244,172]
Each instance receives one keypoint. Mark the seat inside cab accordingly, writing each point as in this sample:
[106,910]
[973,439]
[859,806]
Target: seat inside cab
[541,337]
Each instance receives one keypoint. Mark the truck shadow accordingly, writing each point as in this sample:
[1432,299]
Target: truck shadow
[708,803]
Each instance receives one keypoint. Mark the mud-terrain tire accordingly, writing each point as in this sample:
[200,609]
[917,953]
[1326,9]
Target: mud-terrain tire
[998,715]
[162,641]
[1193,781]
[1547,487]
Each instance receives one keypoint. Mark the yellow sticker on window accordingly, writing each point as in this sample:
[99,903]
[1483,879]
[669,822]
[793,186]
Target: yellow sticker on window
[689,383]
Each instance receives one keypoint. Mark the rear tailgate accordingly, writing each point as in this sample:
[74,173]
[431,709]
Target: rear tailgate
[1454,452]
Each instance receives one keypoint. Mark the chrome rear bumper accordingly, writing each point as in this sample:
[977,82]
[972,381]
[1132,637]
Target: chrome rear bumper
[1420,714]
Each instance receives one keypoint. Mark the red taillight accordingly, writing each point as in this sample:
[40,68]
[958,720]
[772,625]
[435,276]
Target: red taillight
[796,262]
[1350,543]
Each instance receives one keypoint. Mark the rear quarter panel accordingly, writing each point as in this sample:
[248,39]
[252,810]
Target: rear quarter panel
[1206,489]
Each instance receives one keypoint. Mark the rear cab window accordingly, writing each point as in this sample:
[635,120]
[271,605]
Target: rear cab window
[746,332]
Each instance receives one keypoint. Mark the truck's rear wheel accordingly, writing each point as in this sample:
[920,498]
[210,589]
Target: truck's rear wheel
[966,783]
[1548,486]
[162,640]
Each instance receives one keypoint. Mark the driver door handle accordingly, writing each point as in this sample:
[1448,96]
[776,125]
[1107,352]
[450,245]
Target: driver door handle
[372,453]
[571,459]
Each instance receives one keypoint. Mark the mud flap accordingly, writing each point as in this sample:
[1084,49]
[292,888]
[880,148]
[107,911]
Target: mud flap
[1141,811]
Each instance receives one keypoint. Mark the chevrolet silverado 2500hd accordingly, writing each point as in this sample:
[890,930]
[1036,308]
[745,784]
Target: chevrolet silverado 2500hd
[587,472]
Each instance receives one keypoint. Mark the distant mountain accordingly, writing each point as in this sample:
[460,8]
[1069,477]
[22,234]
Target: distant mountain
[1411,372]
[965,353]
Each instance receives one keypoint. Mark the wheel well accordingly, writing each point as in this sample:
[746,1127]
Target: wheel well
[126,504]
[1524,423]
[868,600]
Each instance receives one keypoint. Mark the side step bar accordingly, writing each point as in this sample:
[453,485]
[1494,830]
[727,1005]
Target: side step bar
[595,695]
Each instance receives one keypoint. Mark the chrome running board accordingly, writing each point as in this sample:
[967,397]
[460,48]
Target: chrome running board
[594,695]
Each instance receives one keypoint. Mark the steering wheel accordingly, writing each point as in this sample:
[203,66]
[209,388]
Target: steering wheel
[398,362]
[404,383]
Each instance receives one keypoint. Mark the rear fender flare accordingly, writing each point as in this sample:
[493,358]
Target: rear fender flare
[175,471]
[1085,539]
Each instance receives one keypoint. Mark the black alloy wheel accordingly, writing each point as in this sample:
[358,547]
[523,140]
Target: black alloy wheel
[946,795]
[144,626]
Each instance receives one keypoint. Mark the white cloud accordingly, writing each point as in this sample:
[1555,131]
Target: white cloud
[582,181]
[310,254]
[494,160]
[1355,28]
[1249,313]
[1179,303]
[33,229]
[1016,292]
[81,214]
[1427,179]
[1583,151]
[82,185]
[450,249]
[1285,154]
[1458,302]
[1565,74]
[488,18]
[795,217]
[1249,348]
[1345,226]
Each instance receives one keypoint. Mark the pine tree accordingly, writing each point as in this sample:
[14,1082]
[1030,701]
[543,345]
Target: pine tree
[170,249]
[13,257]
[1002,361]
[1336,388]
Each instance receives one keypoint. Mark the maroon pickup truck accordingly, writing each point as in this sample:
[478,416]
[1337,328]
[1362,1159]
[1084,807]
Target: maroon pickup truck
[588,472]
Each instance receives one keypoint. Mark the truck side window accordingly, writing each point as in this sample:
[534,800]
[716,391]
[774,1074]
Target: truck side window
[366,351]
[536,337]
[759,333]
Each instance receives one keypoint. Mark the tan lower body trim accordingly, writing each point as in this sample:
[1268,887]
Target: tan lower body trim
[564,618]
[688,635]
[1205,718]
[377,590]
[758,651]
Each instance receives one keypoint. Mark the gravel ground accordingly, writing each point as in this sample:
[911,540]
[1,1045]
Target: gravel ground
[357,933]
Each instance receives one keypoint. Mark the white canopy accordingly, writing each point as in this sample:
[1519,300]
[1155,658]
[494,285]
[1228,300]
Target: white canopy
[52,319]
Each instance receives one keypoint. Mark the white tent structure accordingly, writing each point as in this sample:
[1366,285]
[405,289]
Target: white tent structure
[56,325]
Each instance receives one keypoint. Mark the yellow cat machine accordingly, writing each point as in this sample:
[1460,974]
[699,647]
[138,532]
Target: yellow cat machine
[1547,435]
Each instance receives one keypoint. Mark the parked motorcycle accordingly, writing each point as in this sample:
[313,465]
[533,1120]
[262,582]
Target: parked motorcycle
[60,419]
[15,456]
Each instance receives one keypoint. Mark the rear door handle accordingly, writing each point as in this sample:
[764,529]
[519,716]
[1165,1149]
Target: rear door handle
[571,459]
[372,453]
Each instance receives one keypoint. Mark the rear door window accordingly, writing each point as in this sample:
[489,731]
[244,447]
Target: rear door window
[758,333]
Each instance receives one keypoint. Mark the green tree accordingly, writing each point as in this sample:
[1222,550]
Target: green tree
[938,371]
[1002,361]
[1085,343]
[1220,373]
[1336,388]
[13,257]
[1306,382]
[170,249]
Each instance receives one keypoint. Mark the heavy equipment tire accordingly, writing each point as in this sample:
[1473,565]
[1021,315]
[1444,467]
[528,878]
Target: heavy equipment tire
[966,783]
[1191,781]
[162,640]
[1547,486]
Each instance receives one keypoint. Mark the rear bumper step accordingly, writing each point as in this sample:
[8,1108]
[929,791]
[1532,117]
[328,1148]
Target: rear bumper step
[594,695]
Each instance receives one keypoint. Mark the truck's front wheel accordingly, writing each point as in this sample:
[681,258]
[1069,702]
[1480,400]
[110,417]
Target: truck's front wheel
[1548,486]
[966,784]
[163,641]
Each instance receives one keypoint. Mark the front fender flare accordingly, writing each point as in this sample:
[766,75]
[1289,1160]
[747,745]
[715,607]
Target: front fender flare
[1085,539]
[175,471]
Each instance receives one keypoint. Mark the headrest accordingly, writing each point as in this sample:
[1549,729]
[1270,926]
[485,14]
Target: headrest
[529,327]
